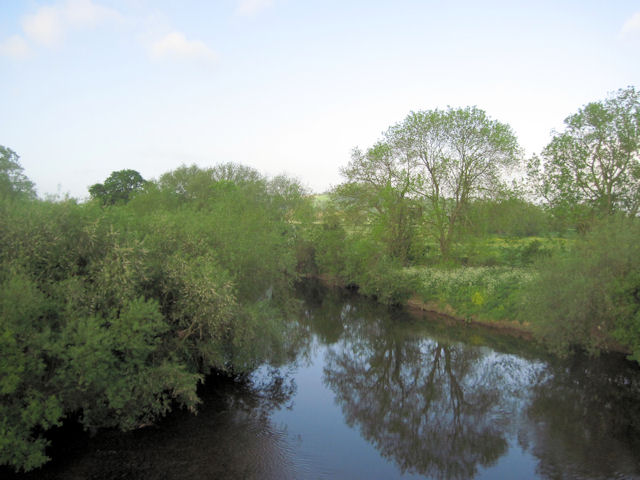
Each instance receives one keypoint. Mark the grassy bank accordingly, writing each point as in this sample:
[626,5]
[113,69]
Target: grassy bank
[571,291]
[489,293]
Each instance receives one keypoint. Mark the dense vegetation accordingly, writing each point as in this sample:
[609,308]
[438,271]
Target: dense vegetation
[114,309]
[428,212]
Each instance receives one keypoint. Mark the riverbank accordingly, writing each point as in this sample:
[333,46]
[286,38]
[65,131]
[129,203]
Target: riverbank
[513,328]
[416,304]
[491,290]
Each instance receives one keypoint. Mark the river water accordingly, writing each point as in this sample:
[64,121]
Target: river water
[376,394]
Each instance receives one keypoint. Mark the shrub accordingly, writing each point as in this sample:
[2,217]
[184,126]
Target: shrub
[590,294]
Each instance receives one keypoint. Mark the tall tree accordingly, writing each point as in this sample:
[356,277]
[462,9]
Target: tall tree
[13,183]
[379,186]
[457,155]
[595,162]
[118,187]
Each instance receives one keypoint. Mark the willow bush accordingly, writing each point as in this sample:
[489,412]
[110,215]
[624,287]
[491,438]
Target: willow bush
[590,295]
[113,313]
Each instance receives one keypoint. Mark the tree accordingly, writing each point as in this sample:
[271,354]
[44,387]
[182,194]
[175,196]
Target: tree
[378,188]
[13,183]
[595,162]
[118,187]
[457,155]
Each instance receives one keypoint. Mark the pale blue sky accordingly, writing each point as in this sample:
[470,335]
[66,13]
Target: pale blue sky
[286,86]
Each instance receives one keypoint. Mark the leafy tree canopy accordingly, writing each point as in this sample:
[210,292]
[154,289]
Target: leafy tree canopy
[445,158]
[118,187]
[13,183]
[379,188]
[459,154]
[595,162]
[114,314]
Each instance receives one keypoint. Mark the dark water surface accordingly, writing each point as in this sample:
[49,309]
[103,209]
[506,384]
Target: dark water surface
[375,394]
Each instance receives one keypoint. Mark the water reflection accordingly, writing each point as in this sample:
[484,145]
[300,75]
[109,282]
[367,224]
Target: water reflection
[445,409]
[584,420]
[419,398]
[435,408]
[232,436]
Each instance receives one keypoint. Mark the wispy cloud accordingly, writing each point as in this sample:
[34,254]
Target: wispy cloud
[45,26]
[86,14]
[251,7]
[48,25]
[15,47]
[176,46]
[631,26]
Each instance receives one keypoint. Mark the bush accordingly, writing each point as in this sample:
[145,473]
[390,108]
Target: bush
[509,216]
[114,313]
[590,295]
[28,402]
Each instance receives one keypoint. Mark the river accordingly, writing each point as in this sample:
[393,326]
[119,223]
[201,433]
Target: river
[376,394]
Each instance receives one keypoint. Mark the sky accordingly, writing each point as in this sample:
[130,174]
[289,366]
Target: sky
[88,87]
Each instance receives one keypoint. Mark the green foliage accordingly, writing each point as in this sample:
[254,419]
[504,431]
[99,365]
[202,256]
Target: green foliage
[328,240]
[13,183]
[589,295]
[386,281]
[509,217]
[119,187]
[114,369]
[455,156]
[360,259]
[378,193]
[27,400]
[488,292]
[200,303]
[245,225]
[626,291]
[510,252]
[423,176]
[595,162]
[114,314]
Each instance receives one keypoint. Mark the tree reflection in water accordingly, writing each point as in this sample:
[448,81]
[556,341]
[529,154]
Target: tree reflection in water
[584,419]
[428,396]
[435,408]
[439,406]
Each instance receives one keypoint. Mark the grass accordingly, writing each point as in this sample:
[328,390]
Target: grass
[506,251]
[321,200]
[491,293]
